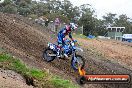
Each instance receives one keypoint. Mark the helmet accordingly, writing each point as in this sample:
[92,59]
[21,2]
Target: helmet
[73,26]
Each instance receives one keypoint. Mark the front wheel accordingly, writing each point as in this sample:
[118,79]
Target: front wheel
[77,62]
[47,55]
[82,80]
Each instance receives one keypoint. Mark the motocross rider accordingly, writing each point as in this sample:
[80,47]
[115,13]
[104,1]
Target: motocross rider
[66,30]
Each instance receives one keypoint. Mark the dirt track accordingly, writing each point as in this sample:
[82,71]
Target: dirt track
[116,51]
[26,40]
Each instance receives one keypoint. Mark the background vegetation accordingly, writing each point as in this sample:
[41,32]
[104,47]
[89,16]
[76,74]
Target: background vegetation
[83,15]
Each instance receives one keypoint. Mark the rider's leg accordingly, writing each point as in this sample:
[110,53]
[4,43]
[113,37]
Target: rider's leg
[59,40]
[60,44]
[59,50]
[65,55]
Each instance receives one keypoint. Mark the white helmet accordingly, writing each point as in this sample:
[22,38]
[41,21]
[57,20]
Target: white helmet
[73,26]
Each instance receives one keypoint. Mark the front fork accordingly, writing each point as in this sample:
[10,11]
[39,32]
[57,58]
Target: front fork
[74,57]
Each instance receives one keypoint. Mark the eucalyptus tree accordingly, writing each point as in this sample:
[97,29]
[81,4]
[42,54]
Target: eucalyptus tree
[109,19]
[124,21]
[87,19]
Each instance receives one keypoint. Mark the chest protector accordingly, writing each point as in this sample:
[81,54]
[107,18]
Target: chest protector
[67,30]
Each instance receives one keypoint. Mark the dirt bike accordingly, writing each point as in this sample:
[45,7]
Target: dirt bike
[70,49]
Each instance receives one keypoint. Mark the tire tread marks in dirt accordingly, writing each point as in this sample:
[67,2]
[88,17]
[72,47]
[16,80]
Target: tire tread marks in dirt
[25,40]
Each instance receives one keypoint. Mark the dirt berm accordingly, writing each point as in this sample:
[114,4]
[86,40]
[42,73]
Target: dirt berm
[26,40]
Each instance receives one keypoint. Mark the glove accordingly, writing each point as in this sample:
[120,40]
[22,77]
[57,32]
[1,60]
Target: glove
[64,39]
[67,41]
[74,40]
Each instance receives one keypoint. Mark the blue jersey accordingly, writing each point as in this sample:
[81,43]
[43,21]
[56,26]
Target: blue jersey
[63,32]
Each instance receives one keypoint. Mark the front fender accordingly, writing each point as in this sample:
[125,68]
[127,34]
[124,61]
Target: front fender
[79,49]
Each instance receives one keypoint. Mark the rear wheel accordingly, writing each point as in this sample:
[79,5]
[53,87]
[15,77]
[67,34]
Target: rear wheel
[46,55]
[78,62]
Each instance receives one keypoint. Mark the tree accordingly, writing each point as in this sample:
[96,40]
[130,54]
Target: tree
[67,9]
[24,11]
[87,19]
[39,8]
[17,2]
[54,6]
[109,19]
[6,2]
[99,27]
[24,7]
[10,9]
[123,21]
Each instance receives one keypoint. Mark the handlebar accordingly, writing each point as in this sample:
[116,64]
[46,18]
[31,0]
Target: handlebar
[67,41]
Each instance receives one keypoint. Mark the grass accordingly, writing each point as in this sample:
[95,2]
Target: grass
[79,36]
[18,66]
[37,73]
[4,57]
[44,79]
[59,83]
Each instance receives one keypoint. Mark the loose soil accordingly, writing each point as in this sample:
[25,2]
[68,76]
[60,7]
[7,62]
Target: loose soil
[26,40]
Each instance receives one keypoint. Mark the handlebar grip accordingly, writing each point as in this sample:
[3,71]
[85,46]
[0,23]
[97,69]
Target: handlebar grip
[74,40]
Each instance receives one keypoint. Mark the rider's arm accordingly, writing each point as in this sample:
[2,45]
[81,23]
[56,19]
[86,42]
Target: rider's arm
[63,33]
[70,36]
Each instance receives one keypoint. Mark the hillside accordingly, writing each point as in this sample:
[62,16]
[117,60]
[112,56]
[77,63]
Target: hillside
[11,79]
[26,40]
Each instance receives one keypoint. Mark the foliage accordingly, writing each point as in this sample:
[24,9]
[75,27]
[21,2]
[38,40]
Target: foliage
[87,19]
[24,11]
[10,9]
[83,15]
[44,79]
[39,8]
[59,83]
[54,15]
[123,21]
[6,2]
[33,16]
[109,19]
[4,57]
